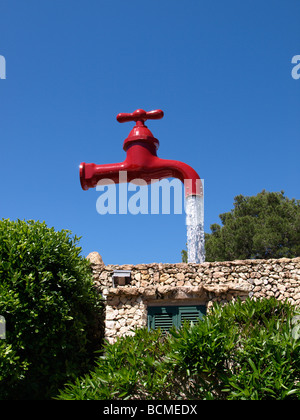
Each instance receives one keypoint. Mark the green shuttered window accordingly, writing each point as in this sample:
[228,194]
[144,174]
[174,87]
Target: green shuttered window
[164,317]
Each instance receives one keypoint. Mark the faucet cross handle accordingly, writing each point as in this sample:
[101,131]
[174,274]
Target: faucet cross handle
[140,115]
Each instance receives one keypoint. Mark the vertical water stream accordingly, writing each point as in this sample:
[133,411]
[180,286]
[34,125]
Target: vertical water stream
[194,208]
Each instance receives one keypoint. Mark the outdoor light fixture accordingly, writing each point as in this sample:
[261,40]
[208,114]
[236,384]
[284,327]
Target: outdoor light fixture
[121,277]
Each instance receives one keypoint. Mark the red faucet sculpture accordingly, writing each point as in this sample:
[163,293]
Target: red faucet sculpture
[141,161]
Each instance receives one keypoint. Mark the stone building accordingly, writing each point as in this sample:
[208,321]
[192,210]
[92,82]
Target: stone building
[161,295]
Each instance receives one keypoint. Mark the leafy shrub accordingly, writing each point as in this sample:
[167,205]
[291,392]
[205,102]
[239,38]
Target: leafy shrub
[131,368]
[239,351]
[51,309]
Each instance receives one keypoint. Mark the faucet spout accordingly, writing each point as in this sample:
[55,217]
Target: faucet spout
[185,173]
[139,165]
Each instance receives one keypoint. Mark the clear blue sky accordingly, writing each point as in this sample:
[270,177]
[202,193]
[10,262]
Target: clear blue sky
[220,70]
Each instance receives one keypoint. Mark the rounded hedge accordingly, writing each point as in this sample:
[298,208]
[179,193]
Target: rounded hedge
[51,309]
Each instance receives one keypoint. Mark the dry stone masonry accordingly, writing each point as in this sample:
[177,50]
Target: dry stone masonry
[188,284]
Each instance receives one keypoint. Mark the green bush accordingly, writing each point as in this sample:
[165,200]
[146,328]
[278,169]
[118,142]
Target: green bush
[51,309]
[240,351]
[244,350]
[131,368]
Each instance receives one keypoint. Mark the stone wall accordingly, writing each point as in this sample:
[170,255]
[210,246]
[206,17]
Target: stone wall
[184,284]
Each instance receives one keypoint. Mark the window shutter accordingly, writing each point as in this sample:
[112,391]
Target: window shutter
[164,317]
[191,313]
[161,317]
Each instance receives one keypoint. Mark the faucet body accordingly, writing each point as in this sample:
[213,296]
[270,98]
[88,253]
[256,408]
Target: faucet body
[141,160]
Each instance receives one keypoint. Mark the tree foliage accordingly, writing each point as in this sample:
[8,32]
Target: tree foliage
[51,310]
[258,227]
[243,350]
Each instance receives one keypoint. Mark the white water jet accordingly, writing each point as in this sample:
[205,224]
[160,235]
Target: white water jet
[194,208]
